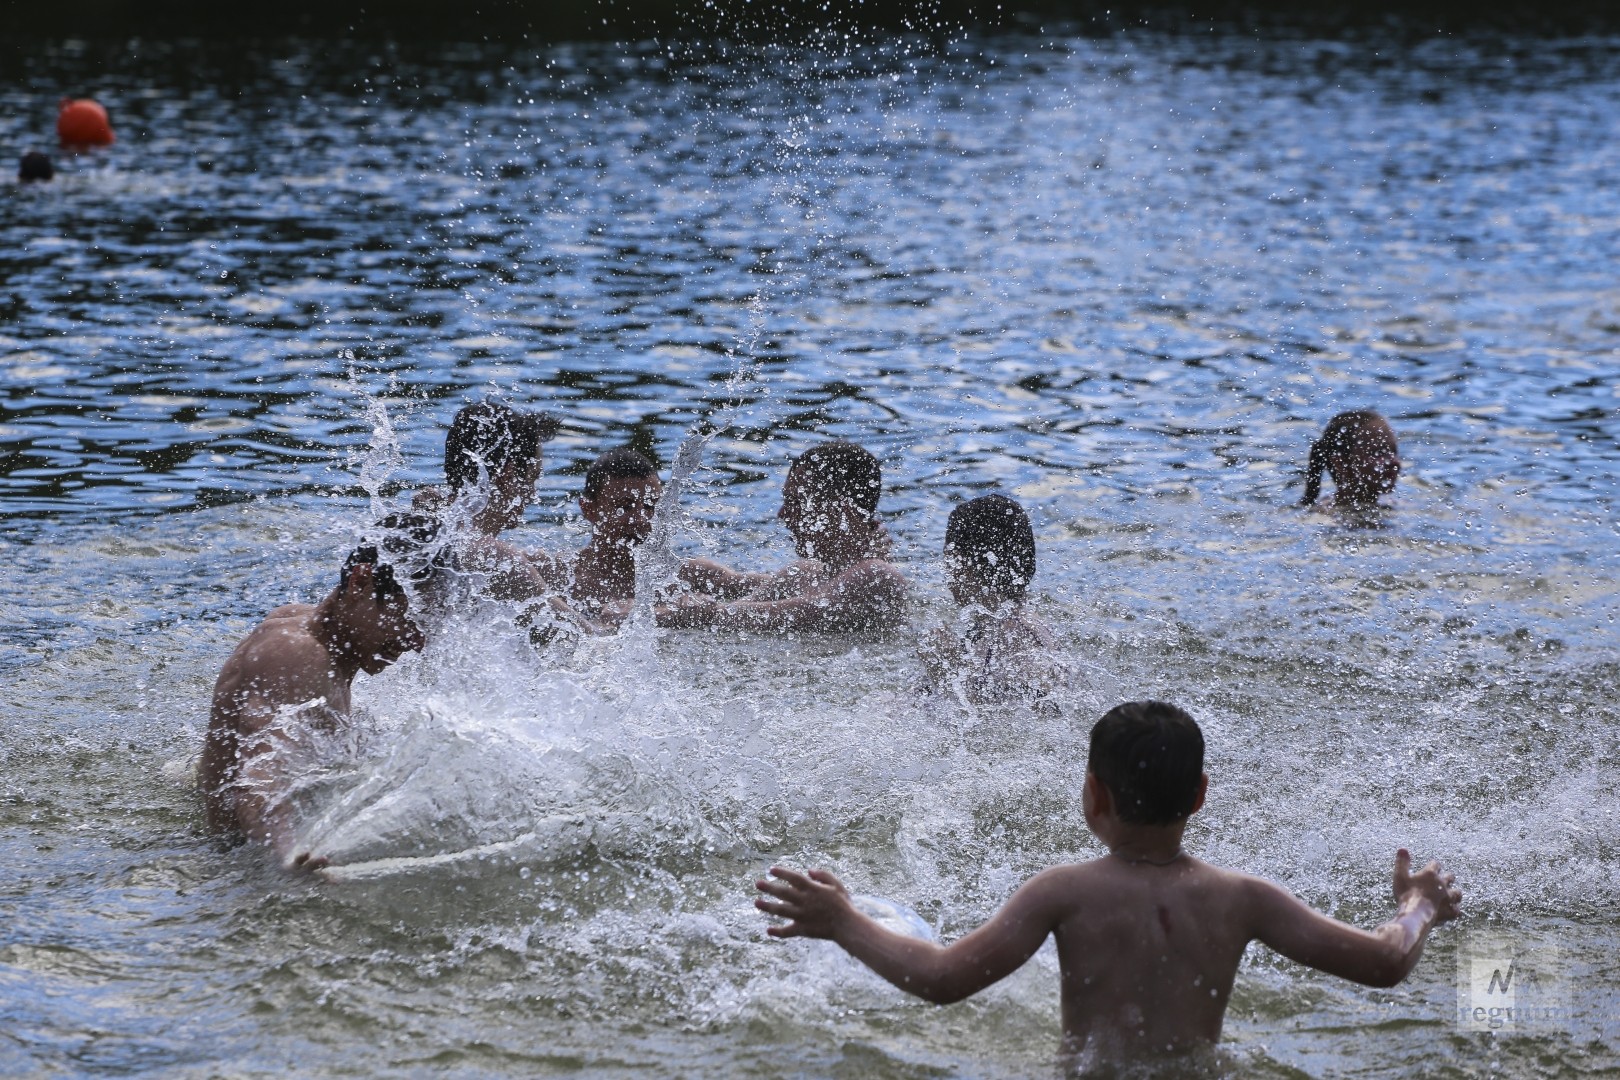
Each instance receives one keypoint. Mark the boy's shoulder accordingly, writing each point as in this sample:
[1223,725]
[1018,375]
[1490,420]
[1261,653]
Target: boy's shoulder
[1110,873]
[880,575]
[1071,883]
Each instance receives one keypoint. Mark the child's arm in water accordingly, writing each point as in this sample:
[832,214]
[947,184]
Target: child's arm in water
[598,620]
[867,596]
[259,799]
[817,905]
[713,579]
[1381,957]
[511,573]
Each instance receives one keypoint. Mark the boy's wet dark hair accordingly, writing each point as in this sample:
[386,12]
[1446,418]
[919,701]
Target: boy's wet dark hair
[493,435]
[616,465]
[1357,432]
[384,585]
[992,537]
[35,166]
[1150,757]
[841,470]
[410,542]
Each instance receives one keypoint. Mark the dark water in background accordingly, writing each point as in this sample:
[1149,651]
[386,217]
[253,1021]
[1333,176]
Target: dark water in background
[1125,280]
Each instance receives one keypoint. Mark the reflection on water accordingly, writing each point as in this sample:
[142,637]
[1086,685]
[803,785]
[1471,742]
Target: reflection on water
[1124,280]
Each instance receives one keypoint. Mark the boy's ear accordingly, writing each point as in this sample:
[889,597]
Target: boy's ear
[590,509]
[1102,800]
[1203,789]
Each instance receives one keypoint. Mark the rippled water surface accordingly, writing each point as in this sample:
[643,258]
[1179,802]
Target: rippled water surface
[1124,280]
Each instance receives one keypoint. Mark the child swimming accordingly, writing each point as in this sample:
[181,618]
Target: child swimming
[1358,449]
[989,562]
[491,464]
[843,580]
[1149,937]
[621,494]
[291,675]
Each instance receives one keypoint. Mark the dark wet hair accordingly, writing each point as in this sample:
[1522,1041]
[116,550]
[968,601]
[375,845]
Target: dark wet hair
[842,470]
[1357,429]
[1150,757]
[993,538]
[493,435]
[35,166]
[616,465]
[410,541]
[384,583]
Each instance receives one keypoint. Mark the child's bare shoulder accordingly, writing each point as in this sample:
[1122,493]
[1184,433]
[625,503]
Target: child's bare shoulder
[1239,893]
[1072,882]
[1212,876]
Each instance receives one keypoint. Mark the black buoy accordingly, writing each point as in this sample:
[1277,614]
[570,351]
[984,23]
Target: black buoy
[35,166]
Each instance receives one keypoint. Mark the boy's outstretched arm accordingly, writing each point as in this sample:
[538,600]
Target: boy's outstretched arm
[263,811]
[723,583]
[1381,957]
[867,596]
[817,905]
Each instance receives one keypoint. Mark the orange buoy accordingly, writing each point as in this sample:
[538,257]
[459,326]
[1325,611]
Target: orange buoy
[83,123]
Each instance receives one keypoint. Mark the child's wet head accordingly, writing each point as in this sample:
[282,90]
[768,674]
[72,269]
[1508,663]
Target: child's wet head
[1358,449]
[1150,757]
[824,485]
[989,551]
[621,493]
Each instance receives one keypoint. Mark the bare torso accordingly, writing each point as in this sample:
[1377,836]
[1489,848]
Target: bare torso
[604,572]
[281,664]
[1148,966]
[995,660]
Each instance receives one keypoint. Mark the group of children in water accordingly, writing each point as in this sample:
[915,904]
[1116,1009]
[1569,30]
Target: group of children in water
[1149,937]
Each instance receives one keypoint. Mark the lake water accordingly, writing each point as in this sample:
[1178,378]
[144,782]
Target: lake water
[1122,279]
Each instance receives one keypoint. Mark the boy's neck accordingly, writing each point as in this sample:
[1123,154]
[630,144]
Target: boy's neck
[326,627]
[990,608]
[1148,845]
[842,554]
[611,561]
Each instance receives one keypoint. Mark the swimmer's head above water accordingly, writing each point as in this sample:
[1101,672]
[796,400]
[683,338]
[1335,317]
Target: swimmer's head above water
[1149,756]
[503,444]
[989,552]
[367,616]
[35,166]
[829,504]
[1358,449]
[621,493]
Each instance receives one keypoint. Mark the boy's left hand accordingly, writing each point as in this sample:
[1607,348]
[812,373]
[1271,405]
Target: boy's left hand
[1431,884]
[815,904]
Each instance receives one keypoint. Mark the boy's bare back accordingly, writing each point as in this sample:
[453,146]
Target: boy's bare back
[1148,950]
[297,665]
[1149,938]
[280,663]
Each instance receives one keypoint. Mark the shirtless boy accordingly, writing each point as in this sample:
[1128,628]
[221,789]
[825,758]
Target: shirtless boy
[620,496]
[842,581]
[1149,938]
[495,443]
[292,672]
[1358,449]
[989,562]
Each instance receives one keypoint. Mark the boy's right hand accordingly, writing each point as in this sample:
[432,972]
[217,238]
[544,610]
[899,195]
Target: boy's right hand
[1429,884]
[815,904]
